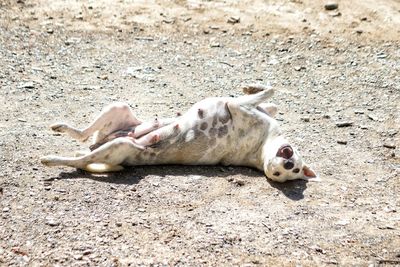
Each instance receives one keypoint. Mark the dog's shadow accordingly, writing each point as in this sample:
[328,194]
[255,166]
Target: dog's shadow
[293,190]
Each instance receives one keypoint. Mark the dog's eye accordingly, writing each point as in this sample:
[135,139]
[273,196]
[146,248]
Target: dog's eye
[297,170]
[277,173]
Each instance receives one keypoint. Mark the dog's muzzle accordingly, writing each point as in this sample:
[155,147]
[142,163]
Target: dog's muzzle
[285,151]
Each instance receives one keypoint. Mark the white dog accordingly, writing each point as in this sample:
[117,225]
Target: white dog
[221,130]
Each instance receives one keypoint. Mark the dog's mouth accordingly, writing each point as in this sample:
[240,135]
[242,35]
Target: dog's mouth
[285,151]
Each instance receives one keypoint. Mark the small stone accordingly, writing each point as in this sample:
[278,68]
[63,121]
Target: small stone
[118,224]
[6,209]
[381,55]
[69,42]
[342,142]
[141,209]
[52,222]
[342,222]
[239,182]
[389,145]
[144,38]
[234,20]
[373,117]
[50,30]
[299,68]
[306,119]
[27,85]
[331,6]
[87,252]
[336,14]
[215,44]
[359,31]
[78,256]
[387,227]
[341,124]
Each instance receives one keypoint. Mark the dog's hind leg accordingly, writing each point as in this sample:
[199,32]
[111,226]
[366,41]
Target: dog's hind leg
[147,127]
[253,100]
[114,117]
[108,157]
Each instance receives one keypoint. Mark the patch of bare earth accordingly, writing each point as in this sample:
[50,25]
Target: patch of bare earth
[65,60]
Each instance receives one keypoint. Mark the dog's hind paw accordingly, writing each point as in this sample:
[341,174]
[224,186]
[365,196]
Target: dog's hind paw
[254,88]
[48,160]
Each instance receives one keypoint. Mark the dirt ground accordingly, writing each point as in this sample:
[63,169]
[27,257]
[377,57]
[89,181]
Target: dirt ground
[65,60]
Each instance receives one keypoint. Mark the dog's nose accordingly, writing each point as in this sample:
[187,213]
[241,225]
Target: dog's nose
[288,165]
[285,151]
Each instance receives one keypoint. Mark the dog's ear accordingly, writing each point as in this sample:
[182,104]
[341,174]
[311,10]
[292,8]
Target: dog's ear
[310,174]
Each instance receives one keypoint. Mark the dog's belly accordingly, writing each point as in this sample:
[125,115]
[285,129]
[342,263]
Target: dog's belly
[208,135]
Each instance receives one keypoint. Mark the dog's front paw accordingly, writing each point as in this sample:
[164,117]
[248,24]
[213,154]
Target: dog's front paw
[65,128]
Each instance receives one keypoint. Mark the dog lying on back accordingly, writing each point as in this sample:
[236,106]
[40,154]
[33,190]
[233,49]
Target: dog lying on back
[237,131]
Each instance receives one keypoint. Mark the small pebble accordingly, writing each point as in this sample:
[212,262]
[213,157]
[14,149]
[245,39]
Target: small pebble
[389,145]
[239,182]
[372,117]
[331,6]
[344,124]
[27,85]
[299,68]
[342,142]
[233,20]
[215,45]
[52,222]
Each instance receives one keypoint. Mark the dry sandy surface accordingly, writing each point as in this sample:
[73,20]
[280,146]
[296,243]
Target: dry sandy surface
[65,60]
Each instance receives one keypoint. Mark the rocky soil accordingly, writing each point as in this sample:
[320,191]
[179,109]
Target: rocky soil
[337,75]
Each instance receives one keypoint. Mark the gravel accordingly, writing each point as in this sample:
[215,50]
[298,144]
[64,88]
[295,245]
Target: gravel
[200,215]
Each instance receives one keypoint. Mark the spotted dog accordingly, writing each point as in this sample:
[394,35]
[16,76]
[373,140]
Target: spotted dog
[237,131]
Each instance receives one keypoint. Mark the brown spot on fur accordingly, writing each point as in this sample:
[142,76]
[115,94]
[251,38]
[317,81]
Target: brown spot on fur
[242,133]
[212,132]
[152,154]
[200,112]
[203,126]
[222,131]
[225,118]
[176,127]
[178,114]
[214,121]
[212,141]
[154,139]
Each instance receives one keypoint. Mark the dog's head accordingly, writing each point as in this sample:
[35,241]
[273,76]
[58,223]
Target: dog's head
[282,162]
